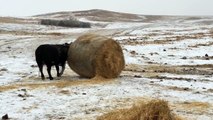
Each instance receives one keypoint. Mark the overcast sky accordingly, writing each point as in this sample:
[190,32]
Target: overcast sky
[153,7]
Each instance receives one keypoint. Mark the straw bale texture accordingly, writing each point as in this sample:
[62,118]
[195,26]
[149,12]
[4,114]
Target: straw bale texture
[94,55]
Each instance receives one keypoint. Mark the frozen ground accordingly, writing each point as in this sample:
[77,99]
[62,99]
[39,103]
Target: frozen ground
[166,59]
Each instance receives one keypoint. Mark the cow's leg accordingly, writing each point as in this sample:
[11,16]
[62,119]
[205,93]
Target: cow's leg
[62,70]
[57,69]
[41,71]
[49,72]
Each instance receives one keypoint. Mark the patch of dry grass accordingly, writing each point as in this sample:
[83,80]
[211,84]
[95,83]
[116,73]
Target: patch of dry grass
[179,88]
[203,44]
[153,110]
[150,75]
[196,105]
[59,84]
[153,70]
[211,32]
[8,87]
[133,67]
[166,40]
[210,90]
[12,20]
[66,92]
[200,66]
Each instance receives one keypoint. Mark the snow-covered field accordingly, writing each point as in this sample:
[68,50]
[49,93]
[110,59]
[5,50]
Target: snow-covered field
[166,59]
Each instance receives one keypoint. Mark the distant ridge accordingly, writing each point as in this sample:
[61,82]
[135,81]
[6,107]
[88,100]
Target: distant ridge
[100,15]
[108,16]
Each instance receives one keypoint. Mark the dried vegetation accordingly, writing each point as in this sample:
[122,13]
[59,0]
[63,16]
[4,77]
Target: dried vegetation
[58,84]
[153,110]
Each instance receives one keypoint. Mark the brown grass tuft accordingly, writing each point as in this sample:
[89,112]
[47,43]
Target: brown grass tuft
[153,110]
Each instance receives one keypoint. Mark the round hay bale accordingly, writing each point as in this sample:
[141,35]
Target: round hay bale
[94,55]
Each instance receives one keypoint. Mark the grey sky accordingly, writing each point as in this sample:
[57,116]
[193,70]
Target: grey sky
[153,7]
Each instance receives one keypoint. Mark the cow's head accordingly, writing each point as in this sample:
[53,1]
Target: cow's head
[65,48]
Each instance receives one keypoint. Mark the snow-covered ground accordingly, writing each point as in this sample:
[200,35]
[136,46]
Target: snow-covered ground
[170,60]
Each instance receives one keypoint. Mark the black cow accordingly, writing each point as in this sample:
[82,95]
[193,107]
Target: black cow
[50,55]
